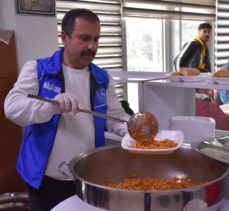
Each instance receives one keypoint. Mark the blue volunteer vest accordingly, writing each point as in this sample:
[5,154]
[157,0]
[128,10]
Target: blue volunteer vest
[38,139]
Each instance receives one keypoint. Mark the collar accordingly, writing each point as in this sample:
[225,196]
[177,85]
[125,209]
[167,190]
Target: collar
[54,64]
[54,67]
[203,44]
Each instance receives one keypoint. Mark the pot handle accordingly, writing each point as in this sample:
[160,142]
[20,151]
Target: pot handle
[60,169]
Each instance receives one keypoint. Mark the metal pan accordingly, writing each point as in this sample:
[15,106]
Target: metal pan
[217,148]
[111,164]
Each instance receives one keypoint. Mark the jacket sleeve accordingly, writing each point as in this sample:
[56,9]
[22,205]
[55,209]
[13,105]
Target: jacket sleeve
[185,58]
[208,63]
[18,107]
[114,108]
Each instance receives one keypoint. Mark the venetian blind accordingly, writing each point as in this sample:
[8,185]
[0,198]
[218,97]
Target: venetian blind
[170,9]
[109,55]
[222,33]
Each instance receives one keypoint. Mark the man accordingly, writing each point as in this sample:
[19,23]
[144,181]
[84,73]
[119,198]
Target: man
[195,54]
[54,134]
[222,94]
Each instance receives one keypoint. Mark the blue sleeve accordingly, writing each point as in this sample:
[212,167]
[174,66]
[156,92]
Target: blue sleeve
[224,96]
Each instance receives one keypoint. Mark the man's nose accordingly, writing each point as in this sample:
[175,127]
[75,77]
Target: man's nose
[92,45]
[208,34]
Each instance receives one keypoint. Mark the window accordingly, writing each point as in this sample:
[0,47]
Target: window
[144,44]
[222,34]
[188,30]
[162,26]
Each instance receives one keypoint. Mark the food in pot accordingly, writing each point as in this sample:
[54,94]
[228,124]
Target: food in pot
[150,183]
[221,73]
[154,144]
[111,164]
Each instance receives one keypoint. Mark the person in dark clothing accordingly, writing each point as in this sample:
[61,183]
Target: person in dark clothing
[195,54]
[126,107]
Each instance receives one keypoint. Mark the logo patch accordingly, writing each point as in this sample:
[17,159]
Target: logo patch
[52,87]
[101,95]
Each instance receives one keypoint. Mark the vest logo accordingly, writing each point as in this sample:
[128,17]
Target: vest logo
[52,87]
[101,95]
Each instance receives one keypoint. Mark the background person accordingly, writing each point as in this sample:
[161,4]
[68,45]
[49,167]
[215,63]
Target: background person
[206,107]
[54,134]
[195,54]
[222,96]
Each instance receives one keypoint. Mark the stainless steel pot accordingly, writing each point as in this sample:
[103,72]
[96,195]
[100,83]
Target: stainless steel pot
[111,164]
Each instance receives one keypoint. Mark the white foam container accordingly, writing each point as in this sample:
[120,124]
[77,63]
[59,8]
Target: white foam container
[195,129]
[174,135]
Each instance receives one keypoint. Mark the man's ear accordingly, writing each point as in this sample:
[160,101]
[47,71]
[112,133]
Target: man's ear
[64,37]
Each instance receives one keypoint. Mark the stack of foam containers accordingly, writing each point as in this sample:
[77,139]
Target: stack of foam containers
[194,128]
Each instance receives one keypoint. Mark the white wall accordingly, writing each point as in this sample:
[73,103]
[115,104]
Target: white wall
[36,35]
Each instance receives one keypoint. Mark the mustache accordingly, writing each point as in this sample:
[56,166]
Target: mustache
[88,53]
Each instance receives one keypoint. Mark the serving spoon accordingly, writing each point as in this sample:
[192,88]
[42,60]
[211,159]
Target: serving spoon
[142,126]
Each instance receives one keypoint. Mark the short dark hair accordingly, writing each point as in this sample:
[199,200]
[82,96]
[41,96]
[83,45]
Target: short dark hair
[69,19]
[204,26]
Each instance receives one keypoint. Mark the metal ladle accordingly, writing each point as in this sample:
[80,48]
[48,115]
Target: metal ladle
[142,126]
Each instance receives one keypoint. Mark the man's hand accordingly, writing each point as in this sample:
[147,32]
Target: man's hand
[67,103]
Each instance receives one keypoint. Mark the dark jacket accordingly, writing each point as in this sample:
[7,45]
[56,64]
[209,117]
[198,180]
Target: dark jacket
[190,57]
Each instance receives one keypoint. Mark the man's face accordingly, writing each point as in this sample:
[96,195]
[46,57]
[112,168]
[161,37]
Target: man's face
[81,46]
[204,34]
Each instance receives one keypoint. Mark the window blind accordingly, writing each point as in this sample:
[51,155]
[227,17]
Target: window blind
[222,33]
[170,9]
[110,54]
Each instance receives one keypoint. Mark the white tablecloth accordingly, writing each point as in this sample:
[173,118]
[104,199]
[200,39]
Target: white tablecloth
[225,108]
[74,203]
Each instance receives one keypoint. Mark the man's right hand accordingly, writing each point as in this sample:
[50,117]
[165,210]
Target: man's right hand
[67,103]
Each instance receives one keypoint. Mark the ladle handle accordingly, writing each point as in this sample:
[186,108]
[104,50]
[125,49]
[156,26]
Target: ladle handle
[80,109]
[102,115]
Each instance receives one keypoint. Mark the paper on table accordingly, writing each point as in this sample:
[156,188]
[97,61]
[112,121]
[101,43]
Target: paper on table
[225,108]
[5,36]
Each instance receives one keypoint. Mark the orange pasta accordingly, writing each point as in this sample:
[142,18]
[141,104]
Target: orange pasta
[152,144]
[150,183]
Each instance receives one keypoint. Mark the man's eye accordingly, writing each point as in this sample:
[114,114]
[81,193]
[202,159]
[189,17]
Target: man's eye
[97,39]
[85,38]
[88,38]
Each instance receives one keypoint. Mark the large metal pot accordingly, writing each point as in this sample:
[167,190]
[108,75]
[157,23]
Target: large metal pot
[111,164]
